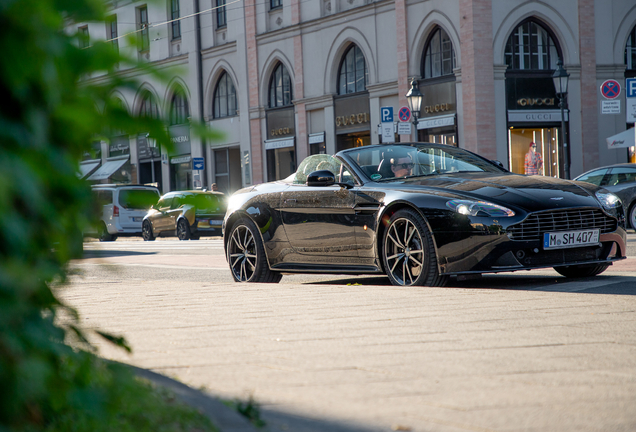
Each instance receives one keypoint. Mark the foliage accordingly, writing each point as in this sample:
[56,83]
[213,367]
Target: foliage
[50,110]
[248,409]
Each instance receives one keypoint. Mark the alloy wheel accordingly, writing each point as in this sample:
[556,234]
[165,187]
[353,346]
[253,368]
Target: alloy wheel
[404,252]
[242,253]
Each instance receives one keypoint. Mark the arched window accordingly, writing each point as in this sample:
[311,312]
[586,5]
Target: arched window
[531,47]
[148,107]
[354,74]
[224,97]
[630,51]
[439,56]
[179,109]
[280,89]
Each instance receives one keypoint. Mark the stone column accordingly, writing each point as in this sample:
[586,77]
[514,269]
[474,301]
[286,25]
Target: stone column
[402,58]
[478,90]
[302,145]
[589,89]
[252,77]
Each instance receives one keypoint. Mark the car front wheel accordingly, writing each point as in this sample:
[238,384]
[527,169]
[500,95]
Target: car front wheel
[183,230]
[103,234]
[246,255]
[409,253]
[632,215]
[146,231]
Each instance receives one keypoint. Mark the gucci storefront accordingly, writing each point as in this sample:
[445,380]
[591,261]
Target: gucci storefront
[180,158]
[534,116]
[438,114]
[280,145]
[353,121]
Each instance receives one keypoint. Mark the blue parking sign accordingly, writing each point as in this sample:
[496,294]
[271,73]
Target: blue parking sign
[198,163]
[386,114]
[630,87]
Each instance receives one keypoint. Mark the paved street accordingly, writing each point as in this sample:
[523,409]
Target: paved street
[527,351]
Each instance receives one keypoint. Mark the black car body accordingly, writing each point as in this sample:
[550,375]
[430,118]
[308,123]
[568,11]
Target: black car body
[456,213]
[619,179]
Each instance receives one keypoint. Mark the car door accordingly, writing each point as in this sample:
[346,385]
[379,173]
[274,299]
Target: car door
[161,216]
[622,182]
[174,212]
[320,222]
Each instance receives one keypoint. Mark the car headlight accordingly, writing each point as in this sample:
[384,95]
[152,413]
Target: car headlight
[479,208]
[608,200]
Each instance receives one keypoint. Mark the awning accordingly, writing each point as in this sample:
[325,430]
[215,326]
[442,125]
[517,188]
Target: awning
[109,167]
[622,140]
[87,167]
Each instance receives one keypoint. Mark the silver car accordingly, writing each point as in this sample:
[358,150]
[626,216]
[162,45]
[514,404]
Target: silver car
[619,179]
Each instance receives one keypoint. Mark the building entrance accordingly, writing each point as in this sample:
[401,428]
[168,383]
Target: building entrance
[351,140]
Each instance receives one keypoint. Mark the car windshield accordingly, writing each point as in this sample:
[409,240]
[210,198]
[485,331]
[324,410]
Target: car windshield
[316,163]
[392,162]
[202,202]
[138,199]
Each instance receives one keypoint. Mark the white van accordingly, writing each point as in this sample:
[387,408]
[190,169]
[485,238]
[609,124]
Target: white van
[123,209]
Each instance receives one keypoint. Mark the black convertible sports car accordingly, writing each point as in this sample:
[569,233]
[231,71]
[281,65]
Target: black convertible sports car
[419,213]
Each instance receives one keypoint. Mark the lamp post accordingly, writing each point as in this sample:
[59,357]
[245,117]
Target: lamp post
[560,79]
[414,99]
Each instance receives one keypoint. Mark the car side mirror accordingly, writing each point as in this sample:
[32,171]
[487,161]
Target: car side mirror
[499,164]
[324,178]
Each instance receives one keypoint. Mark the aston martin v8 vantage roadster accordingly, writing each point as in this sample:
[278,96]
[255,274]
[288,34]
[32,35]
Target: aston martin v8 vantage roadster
[419,213]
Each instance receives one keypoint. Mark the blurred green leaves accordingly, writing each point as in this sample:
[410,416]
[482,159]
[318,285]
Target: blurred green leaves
[51,108]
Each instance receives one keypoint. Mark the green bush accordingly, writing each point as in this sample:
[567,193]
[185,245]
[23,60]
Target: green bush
[49,113]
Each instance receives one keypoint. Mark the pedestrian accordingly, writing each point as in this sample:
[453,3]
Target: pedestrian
[534,161]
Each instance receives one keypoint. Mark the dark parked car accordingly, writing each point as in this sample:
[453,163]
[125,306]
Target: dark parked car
[419,213]
[619,179]
[186,214]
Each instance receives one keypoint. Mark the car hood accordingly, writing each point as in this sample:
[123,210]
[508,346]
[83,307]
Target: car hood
[531,193]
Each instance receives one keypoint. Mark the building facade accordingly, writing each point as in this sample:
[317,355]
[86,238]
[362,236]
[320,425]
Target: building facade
[283,79]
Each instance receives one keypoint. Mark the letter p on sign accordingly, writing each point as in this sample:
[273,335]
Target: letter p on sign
[386,114]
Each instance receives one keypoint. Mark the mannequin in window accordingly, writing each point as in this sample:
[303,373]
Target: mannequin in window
[534,161]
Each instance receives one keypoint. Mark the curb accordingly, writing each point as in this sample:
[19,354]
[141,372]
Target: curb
[225,418]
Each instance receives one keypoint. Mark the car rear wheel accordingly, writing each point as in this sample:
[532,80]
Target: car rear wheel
[103,234]
[183,230]
[581,271]
[246,255]
[409,253]
[146,231]
[632,215]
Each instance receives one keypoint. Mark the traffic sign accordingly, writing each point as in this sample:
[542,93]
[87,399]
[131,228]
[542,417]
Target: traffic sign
[404,128]
[630,102]
[198,163]
[386,114]
[610,89]
[404,114]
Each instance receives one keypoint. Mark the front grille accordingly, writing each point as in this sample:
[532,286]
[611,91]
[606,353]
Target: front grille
[561,220]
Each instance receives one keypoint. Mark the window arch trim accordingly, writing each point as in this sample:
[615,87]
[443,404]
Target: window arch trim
[280,94]
[179,107]
[437,29]
[224,105]
[552,37]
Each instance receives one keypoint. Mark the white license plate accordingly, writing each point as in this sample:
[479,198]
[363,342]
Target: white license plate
[568,239]
[216,222]
[137,219]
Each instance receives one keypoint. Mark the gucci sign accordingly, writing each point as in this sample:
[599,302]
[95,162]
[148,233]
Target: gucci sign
[535,101]
[281,131]
[437,108]
[352,119]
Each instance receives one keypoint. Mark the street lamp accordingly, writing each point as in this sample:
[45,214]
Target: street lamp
[560,78]
[414,99]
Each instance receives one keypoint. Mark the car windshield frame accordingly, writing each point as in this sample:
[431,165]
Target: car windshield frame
[424,160]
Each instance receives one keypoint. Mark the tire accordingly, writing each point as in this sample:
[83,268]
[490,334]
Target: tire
[246,254]
[183,229]
[103,235]
[408,252]
[581,271]
[632,215]
[146,231]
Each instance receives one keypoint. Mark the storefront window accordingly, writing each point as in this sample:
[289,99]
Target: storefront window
[439,57]
[281,163]
[181,176]
[531,47]
[546,140]
[354,74]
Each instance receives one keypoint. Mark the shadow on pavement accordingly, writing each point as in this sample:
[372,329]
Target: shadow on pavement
[95,253]
[617,285]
